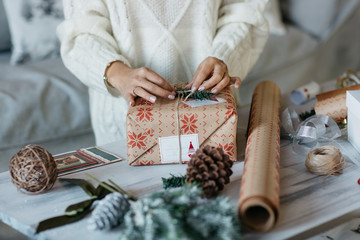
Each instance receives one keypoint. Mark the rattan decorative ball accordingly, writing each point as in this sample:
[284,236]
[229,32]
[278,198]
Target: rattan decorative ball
[210,167]
[33,169]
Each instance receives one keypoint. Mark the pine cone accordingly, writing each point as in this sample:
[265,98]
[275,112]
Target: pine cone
[109,212]
[210,167]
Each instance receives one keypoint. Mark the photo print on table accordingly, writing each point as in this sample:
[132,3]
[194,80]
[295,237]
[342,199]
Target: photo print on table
[83,159]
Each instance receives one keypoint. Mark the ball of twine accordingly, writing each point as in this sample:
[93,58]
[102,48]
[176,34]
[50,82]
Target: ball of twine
[33,170]
[325,160]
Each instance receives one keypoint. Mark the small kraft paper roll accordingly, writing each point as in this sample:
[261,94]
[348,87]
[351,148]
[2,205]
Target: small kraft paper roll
[333,103]
[259,193]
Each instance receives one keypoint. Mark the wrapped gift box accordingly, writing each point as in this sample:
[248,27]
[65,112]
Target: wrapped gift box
[353,117]
[159,133]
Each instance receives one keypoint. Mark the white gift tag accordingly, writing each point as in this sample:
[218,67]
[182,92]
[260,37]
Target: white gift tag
[198,103]
[169,148]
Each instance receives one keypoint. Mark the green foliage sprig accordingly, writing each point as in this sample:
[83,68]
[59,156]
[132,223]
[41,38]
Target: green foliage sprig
[181,213]
[197,95]
[306,114]
[173,213]
[173,181]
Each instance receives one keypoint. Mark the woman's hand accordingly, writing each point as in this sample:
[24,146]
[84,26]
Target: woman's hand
[139,82]
[213,74]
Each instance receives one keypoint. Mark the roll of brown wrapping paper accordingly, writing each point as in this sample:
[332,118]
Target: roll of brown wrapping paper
[333,103]
[259,193]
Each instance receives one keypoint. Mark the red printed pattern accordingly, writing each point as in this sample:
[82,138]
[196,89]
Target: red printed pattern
[189,124]
[215,125]
[263,147]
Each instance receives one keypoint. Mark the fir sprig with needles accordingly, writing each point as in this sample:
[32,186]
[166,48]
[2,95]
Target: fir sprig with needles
[197,95]
[173,181]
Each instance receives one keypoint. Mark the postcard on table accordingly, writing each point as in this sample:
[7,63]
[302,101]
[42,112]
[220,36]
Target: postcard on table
[83,159]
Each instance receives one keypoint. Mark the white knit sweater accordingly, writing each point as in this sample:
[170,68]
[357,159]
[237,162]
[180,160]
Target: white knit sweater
[171,37]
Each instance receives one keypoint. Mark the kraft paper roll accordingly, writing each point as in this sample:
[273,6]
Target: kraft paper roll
[333,103]
[259,193]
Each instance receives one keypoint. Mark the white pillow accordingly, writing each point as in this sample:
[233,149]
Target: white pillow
[273,16]
[32,26]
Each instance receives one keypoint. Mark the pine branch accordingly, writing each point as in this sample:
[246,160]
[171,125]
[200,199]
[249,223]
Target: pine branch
[197,95]
[173,181]
[305,115]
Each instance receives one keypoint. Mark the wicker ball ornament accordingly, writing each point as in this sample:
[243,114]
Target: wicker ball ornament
[210,167]
[33,170]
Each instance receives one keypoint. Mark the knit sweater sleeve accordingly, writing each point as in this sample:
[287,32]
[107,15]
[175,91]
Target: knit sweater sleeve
[87,43]
[242,32]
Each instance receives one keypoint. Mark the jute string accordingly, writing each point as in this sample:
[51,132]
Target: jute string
[326,160]
[178,128]
[33,169]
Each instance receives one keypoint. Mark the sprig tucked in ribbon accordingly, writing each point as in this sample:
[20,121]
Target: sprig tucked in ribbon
[315,129]
[197,95]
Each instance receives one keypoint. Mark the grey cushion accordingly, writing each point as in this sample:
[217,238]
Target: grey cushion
[39,101]
[312,16]
[5,43]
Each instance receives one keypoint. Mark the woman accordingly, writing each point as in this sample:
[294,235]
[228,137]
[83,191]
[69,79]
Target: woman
[141,47]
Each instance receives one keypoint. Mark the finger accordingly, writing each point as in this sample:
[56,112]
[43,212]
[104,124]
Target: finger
[188,85]
[236,81]
[130,99]
[155,78]
[201,74]
[222,84]
[198,71]
[140,92]
[218,75]
[156,90]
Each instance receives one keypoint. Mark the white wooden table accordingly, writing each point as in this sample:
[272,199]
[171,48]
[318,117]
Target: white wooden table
[309,204]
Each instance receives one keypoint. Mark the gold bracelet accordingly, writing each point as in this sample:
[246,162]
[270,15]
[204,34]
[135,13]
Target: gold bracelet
[107,83]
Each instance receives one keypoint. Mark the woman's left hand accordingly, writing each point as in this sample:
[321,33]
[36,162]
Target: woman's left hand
[213,74]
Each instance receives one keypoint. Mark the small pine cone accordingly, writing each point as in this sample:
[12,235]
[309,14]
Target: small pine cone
[109,212]
[210,167]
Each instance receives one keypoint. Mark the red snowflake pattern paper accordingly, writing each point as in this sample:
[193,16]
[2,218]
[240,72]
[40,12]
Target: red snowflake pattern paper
[146,122]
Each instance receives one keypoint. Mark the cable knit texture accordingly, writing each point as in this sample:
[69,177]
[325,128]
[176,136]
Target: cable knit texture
[171,37]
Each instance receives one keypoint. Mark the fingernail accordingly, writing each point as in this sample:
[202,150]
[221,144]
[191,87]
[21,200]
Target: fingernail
[193,89]
[201,88]
[152,99]
[131,103]
[214,90]
[171,96]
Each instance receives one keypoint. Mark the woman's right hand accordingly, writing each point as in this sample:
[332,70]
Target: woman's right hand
[140,82]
